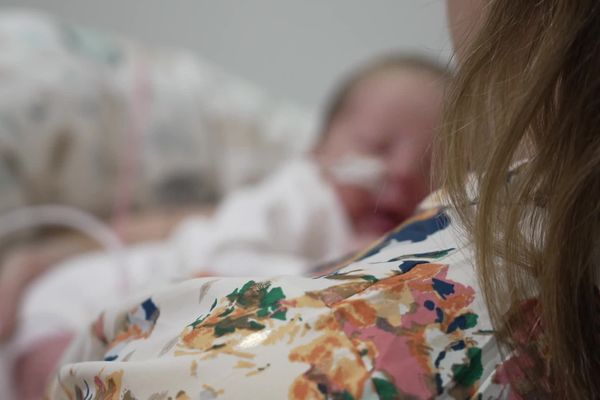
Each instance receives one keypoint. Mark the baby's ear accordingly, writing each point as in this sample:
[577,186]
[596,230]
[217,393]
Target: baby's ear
[321,141]
[318,154]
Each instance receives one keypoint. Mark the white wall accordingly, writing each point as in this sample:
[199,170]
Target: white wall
[295,48]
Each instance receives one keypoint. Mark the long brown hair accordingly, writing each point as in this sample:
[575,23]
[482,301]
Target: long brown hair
[529,88]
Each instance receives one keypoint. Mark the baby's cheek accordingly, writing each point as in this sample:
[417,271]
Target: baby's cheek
[356,201]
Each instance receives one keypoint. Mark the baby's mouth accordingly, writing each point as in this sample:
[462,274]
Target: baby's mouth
[381,222]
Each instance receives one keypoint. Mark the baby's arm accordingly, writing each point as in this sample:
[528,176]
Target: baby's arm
[23,264]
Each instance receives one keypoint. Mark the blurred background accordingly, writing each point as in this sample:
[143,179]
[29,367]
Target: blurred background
[126,122]
[294,49]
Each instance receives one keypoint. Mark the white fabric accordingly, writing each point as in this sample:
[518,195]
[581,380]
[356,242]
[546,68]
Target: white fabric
[292,220]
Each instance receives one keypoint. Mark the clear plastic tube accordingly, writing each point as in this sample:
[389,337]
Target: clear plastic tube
[69,217]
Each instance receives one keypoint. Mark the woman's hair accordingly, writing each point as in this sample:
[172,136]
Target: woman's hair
[529,89]
[384,64]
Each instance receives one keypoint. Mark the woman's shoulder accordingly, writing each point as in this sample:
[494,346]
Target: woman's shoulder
[403,318]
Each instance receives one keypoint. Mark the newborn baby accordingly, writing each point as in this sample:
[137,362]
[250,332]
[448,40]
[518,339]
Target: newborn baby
[367,173]
[375,149]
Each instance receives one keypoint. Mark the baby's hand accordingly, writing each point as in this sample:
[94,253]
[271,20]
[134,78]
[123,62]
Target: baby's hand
[21,265]
[32,369]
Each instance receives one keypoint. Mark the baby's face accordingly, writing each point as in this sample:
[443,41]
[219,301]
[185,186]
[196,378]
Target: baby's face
[391,118]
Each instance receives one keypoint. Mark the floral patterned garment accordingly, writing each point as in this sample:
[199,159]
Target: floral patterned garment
[405,319]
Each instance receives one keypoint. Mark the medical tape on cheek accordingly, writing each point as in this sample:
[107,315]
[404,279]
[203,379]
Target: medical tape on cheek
[362,171]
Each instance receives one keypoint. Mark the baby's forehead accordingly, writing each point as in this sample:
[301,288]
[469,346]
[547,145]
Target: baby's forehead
[406,85]
[399,78]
